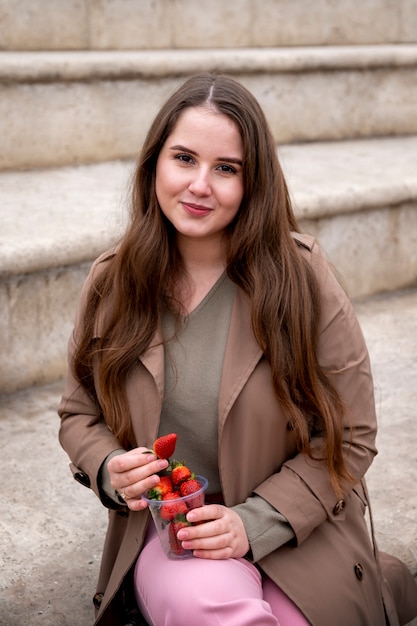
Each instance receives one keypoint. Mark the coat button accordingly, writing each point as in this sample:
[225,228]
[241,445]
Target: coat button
[358,569]
[339,506]
[82,478]
[97,600]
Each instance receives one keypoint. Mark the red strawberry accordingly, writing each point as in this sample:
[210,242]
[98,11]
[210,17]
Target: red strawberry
[180,472]
[164,446]
[191,486]
[174,506]
[174,527]
[161,489]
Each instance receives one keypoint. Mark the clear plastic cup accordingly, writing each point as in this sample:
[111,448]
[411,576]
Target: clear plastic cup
[169,517]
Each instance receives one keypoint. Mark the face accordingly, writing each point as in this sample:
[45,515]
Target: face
[199,182]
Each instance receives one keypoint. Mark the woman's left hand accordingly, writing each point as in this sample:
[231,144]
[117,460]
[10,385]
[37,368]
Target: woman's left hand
[221,536]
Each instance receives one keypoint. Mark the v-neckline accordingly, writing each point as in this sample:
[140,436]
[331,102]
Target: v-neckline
[207,297]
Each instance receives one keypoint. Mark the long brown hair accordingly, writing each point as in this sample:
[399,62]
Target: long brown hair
[262,259]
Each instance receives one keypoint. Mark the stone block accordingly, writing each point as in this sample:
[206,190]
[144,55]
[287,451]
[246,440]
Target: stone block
[328,22]
[75,122]
[373,250]
[60,217]
[36,322]
[43,24]
[131,24]
[213,24]
[333,105]
[186,24]
[359,198]
[54,224]
[408,24]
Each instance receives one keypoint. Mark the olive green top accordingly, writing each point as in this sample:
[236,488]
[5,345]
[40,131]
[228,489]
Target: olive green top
[193,370]
[194,355]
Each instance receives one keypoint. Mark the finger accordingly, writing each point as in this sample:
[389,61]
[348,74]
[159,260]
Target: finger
[136,504]
[134,485]
[224,553]
[130,460]
[140,473]
[205,513]
[218,542]
[220,547]
[203,530]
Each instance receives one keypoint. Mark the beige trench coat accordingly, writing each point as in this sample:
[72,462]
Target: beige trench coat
[330,569]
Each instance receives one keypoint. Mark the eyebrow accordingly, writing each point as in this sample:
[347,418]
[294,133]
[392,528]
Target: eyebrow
[226,159]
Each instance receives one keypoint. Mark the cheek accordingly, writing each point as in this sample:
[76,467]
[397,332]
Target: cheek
[167,181]
[160,180]
[236,198]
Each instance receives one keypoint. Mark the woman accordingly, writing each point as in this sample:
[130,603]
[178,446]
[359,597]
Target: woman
[214,318]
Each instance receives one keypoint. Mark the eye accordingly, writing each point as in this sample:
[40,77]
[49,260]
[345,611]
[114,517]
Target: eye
[226,169]
[184,158]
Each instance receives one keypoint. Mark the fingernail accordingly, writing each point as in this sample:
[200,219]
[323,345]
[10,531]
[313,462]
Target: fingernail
[162,464]
[182,534]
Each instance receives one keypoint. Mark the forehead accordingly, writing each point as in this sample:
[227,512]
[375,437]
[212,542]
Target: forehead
[206,121]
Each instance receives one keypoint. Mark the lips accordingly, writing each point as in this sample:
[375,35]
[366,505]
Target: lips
[197,210]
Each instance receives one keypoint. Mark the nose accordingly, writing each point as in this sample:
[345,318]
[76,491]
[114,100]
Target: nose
[200,184]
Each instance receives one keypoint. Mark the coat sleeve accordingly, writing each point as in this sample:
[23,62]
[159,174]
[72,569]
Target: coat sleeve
[302,490]
[83,432]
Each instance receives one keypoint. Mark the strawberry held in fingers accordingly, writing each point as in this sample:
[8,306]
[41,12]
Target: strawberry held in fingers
[164,447]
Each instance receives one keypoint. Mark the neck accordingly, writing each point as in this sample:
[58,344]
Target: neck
[202,256]
[204,263]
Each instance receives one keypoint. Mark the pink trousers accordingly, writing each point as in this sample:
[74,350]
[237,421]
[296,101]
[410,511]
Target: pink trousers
[200,592]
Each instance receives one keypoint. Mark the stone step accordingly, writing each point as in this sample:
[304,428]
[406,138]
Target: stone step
[49,558]
[61,108]
[358,197]
[54,223]
[155,24]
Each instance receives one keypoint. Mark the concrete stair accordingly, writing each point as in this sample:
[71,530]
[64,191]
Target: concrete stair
[337,82]
[61,108]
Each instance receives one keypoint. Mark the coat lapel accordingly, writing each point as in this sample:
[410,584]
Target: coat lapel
[241,356]
[153,360]
[145,391]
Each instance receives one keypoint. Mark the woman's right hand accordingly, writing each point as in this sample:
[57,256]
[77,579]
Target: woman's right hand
[134,473]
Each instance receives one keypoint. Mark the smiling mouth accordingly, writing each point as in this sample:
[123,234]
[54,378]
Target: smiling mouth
[196,209]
